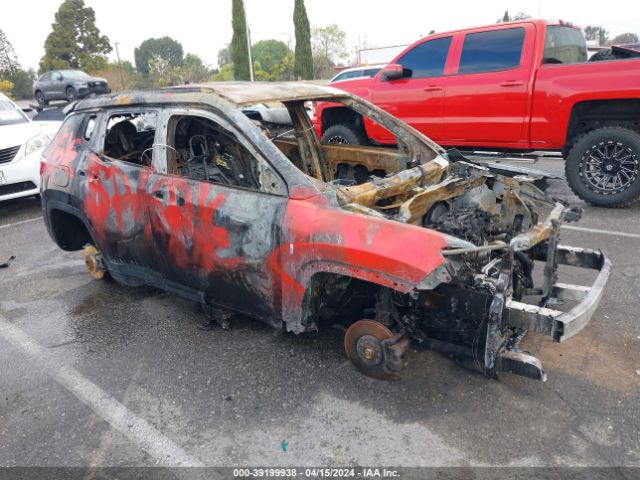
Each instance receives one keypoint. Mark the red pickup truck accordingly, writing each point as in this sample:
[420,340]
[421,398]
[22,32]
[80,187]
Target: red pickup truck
[512,87]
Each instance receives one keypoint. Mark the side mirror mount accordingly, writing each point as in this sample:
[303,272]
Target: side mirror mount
[393,71]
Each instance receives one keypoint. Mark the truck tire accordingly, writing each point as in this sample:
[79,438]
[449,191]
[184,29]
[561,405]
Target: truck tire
[603,55]
[343,135]
[603,167]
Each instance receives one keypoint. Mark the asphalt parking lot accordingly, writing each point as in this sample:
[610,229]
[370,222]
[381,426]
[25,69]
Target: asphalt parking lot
[96,374]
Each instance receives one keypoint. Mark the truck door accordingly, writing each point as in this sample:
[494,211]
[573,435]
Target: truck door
[418,97]
[487,98]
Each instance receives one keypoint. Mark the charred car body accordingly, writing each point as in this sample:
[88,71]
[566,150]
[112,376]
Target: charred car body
[181,190]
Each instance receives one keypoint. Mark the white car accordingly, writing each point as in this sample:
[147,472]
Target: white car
[356,72]
[21,143]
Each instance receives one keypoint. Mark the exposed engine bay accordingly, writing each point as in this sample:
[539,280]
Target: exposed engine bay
[499,223]
[496,222]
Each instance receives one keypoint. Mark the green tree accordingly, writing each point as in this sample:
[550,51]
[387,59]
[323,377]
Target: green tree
[239,48]
[6,87]
[193,69]
[269,53]
[284,69]
[168,49]
[329,42]
[323,68]
[518,16]
[224,57]
[22,82]
[603,36]
[329,48]
[591,32]
[625,39]
[596,32]
[8,59]
[75,40]
[224,74]
[303,63]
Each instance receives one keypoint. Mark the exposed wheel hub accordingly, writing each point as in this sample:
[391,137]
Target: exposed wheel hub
[374,350]
[369,350]
[94,262]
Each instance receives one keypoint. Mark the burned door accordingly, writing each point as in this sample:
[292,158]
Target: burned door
[215,214]
[113,177]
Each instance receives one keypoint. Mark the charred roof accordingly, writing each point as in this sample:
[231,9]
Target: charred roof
[236,93]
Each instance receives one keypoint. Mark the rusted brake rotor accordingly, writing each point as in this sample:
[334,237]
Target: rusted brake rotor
[93,261]
[374,350]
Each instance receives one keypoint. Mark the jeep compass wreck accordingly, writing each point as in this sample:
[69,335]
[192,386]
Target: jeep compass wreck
[197,191]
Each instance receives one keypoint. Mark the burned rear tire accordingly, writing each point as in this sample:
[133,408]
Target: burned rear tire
[343,135]
[364,343]
[603,167]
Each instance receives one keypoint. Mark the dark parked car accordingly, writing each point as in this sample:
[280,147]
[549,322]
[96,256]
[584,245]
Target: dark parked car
[67,85]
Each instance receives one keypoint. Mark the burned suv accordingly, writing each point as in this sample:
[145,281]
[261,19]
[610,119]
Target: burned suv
[190,190]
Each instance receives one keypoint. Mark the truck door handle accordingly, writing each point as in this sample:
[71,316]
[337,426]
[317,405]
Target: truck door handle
[432,88]
[512,83]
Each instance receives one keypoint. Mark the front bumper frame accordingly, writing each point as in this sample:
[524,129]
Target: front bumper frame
[509,320]
[554,323]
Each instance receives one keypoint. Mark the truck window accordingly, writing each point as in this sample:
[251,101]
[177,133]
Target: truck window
[564,45]
[491,51]
[426,59]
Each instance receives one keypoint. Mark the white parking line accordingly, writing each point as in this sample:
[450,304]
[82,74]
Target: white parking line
[20,222]
[104,405]
[601,232]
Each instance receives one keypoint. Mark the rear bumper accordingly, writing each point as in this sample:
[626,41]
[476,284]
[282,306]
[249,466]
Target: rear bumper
[554,323]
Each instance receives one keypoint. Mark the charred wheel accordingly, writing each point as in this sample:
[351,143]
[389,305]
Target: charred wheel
[94,262]
[374,350]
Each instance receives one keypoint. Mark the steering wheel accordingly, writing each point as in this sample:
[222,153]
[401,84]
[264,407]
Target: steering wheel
[143,157]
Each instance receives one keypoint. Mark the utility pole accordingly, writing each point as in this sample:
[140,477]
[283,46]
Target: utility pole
[246,18]
[120,66]
[250,55]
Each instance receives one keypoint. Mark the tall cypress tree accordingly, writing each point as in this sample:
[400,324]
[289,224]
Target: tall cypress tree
[303,65]
[238,48]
